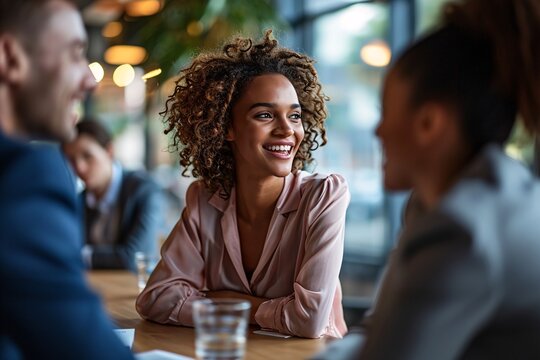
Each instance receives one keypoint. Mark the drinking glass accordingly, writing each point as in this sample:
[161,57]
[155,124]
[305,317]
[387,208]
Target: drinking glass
[145,265]
[220,328]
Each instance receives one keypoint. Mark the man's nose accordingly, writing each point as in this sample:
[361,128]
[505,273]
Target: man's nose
[80,167]
[89,81]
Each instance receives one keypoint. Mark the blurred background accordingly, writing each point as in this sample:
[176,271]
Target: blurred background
[137,47]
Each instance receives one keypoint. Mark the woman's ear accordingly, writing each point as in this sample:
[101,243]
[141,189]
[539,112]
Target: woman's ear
[432,123]
[229,136]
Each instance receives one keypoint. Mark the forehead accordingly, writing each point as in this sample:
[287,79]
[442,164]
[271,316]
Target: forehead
[63,24]
[270,88]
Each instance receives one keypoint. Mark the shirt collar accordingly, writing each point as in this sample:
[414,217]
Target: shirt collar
[288,200]
[108,201]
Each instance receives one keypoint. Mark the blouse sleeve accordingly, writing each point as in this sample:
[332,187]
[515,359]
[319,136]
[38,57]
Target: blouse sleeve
[306,311]
[179,276]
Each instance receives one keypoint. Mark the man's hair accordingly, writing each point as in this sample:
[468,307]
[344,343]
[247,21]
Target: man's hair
[22,17]
[95,130]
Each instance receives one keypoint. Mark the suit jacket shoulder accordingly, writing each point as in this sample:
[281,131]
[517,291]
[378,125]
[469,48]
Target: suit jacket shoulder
[46,306]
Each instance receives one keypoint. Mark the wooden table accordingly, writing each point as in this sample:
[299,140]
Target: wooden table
[119,291]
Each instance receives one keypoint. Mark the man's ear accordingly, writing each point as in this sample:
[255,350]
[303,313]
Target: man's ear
[14,62]
[432,123]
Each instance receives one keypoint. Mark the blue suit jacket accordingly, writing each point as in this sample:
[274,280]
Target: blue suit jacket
[46,309]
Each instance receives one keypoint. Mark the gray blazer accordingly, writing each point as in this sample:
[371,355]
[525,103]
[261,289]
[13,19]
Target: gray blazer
[464,279]
[139,219]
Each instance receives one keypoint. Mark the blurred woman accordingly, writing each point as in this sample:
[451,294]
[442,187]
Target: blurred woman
[123,209]
[255,226]
[463,280]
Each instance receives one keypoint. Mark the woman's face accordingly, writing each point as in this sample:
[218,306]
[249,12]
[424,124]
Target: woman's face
[396,133]
[91,161]
[266,129]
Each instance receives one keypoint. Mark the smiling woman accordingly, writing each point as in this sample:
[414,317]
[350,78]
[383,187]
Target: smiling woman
[255,226]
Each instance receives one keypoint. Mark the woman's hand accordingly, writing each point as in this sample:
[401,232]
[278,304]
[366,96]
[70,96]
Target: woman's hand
[255,301]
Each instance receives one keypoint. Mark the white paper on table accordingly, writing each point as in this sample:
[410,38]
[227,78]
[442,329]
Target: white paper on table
[126,335]
[160,355]
[271,333]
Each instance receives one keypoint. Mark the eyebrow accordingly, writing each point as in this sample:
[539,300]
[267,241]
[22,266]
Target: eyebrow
[272,105]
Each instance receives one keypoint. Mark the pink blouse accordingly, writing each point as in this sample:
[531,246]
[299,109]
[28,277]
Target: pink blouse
[298,269]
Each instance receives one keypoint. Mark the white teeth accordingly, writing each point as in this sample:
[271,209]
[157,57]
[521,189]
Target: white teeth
[279,148]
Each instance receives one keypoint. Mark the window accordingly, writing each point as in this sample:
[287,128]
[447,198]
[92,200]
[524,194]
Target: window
[339,39]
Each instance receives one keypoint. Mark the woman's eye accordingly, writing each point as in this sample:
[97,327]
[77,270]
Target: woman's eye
[264,116]
[296,117]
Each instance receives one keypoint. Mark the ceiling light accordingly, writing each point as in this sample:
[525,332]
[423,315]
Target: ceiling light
[112,29]
[376,53]
[123,75]
[151,74]
[97,71]
[125,54]
[143,7]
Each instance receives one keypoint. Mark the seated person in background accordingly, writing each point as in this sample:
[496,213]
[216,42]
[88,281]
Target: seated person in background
[47,310]
[255,226]
[464,279]
[123,209]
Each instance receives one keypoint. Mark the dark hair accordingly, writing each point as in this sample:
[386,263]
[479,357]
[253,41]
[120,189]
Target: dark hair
[95,130]
[485,63]
[198,113]
[24,17]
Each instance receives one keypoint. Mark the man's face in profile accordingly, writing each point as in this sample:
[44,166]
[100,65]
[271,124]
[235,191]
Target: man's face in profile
[58,77]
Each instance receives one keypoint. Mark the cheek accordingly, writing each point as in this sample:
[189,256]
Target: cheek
[300,133]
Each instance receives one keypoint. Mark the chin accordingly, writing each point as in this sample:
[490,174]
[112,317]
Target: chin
[283,172]
[396,185]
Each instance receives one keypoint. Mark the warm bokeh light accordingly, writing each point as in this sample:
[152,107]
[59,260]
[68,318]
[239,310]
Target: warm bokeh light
[143,7]
[112,29]
[151,74]
[195,28]
[376,53]
[123,75]
[125,54]
[97,71]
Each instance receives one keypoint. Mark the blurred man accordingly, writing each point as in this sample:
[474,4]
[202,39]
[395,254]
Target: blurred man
[123,209]
[46,308]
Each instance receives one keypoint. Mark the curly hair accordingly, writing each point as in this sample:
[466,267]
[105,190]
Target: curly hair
[199,112]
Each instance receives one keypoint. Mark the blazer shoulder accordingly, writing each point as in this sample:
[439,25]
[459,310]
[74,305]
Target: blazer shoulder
[138,182]
[24,164]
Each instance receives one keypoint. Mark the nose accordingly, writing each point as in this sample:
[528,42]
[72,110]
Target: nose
[80,167]
[283,127]
[89,81]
